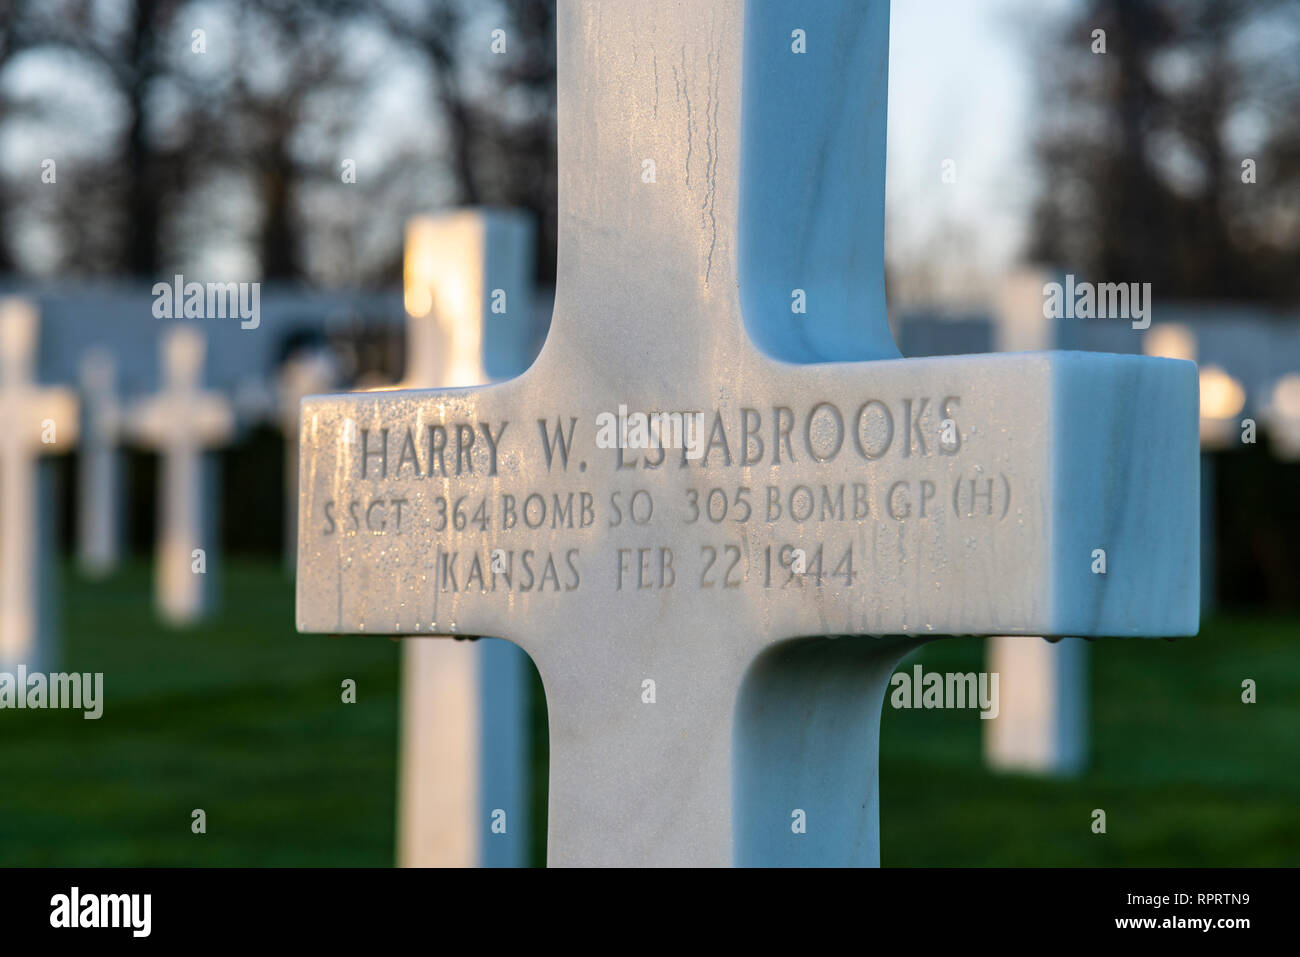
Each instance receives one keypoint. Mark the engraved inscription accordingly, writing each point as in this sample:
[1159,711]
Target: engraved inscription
[808,484]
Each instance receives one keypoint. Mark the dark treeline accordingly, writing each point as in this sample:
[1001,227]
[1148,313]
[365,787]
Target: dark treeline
[1140,149]
[175,128]
[227,147]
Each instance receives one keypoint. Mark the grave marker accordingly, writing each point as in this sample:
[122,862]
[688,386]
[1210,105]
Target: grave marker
[1282,416]
[99,486]
[38,421]
[1042,721]
[702,709]
[466,784]
[1222,401]
[183,423]
[306,372]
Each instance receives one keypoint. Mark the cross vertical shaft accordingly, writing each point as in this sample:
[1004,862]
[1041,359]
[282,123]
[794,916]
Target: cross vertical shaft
[36,421]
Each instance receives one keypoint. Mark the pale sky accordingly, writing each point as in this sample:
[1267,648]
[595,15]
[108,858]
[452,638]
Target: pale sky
[960,87]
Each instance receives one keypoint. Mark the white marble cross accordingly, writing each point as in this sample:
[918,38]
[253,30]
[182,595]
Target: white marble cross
[99,481]
[1281,413]
[715,625]
[1042,718]
[38,421]
[306,372]
[1222,401]
[465,788]
[183,422]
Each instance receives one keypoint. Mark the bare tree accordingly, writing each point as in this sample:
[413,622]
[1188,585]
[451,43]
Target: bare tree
[147,168]
[261,123]
[1141,180]
[9,44]
[495,95]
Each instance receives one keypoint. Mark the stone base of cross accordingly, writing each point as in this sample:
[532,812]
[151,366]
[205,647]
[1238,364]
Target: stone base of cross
[716,521]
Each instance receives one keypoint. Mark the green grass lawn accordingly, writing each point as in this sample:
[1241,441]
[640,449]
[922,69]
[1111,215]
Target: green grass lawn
[1187,774]
[243,718]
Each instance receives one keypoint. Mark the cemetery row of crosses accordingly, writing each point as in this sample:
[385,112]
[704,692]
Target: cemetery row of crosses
[180,422]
